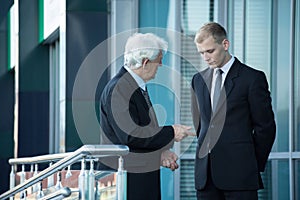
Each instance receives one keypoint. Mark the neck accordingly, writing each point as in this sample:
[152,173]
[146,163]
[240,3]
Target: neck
[227,57]
[140,72]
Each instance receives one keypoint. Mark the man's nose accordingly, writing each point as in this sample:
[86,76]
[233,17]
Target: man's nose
[205,57]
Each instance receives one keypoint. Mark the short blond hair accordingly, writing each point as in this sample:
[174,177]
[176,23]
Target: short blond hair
[211,29]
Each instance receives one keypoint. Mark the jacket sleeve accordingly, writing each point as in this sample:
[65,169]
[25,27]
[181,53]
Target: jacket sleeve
[195,110]
[262,118]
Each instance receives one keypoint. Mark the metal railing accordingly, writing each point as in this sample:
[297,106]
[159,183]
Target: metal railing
[67,159]
[59,194]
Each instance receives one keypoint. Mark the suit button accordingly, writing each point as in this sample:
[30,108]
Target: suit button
[212,126]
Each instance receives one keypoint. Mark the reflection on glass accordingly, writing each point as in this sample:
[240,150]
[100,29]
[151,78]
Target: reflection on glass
[297,179]
[266,176]
[258,35]
[187,188]
[276,181]
[281,72]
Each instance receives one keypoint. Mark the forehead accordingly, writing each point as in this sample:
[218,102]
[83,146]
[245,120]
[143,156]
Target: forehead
[206,44]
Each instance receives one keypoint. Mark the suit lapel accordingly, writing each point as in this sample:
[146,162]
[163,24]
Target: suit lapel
[207,77]
[137,90]
[232,74]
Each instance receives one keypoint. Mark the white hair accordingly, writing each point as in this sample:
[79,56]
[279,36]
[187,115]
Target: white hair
[140,46]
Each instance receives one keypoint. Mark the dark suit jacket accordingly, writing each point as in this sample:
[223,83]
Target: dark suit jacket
[239,136]
[125,119]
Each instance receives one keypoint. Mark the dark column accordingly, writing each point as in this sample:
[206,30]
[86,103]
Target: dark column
[6,100]
[33,84]
[86,28]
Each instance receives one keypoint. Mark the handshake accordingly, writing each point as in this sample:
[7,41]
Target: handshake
[169,158]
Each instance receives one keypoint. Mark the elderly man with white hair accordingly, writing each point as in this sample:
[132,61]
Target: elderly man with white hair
[127,118]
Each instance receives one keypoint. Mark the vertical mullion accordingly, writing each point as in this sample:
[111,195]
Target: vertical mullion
[230,24]
[244,30]
[51,102]
[176,61]
[57,98]
[291,104]
[274,35]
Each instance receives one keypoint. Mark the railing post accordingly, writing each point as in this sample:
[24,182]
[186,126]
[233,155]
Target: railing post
[82,181]
[22,180]
[40,193]
[91,193]
[50,178]
[69,173]
[35,187]
[121,181]
[12,180]
[58,185]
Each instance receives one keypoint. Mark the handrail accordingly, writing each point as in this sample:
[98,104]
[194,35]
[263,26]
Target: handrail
[86,150]
[38,159]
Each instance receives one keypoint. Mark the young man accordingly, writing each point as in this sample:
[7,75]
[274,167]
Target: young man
[233,119]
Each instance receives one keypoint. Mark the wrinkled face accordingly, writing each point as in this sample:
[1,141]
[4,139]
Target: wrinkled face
[213,53]
[151,66]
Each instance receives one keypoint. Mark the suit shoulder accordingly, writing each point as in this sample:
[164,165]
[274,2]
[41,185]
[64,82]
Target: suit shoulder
[109,87]
[200,74]
[249,71]
[196,79]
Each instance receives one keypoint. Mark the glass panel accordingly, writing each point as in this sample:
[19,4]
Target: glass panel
[187,71]
[281,71]
[194,14]
[297,179]
[187,191]
[258,35]
[276,181]
[280,176]
[266,176]
[236,28]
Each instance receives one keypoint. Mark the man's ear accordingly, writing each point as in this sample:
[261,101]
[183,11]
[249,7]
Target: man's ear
[145,61]
[226,44]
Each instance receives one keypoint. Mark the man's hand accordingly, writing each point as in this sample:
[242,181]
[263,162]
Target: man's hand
[168,159]
[182,131]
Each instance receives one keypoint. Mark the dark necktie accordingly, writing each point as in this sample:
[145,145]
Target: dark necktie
[217,89]
[147,98]
[151,110]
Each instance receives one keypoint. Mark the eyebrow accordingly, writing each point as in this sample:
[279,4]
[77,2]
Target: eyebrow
[208,51]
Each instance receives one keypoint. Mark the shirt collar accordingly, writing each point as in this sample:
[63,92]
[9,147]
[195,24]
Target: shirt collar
[141,83]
